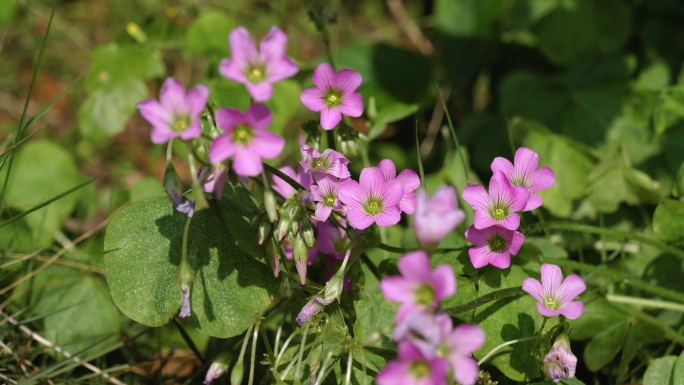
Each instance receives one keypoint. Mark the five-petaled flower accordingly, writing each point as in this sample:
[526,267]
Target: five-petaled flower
[333,95]
[524,173]
[325,195]
[554,294]
[409,181]
[493,245]
[176,115]
[245,137]
[330,162]
[436,217]
[258,70]
[412,368]
[499,206]
[371,199]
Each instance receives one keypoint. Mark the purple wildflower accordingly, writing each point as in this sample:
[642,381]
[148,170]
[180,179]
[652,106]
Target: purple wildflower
[330,163]
[436,217]
[176,115]
[333,95]
[371,200]
[525,173]
[214,181]
[425,330]
[325,195]
[493,245]
[185,305]
[419,287]
[332,239]
[413,368]
[332,265]
[284,189]
[499,207]
[561,362]
[258,70]
[309,310]
[245,137]
[458,348]
[554,294]
[409,181]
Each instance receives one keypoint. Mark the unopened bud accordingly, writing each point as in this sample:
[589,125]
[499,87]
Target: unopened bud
[560,355]
[315,362]
[346,137]
[185,275]
[333,288]
[264,229]
[174,190]
[308,233]
[217,368]
[273,256]
[200,150]
[300,254]
[236,374]
[285,220]
[309,310]
[270,205]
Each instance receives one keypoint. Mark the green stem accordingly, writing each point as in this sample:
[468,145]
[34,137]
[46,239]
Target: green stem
[198,189]
[645,302]
[453,134]
[493,296]
[184,246]
[420,161]
[284,177]
[188,340]
[667,331]
[253,357]
[496,349]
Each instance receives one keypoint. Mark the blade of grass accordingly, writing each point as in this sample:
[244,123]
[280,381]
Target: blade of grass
[28,99]
[47,202]
[420,161]
[15,145]
[453,134]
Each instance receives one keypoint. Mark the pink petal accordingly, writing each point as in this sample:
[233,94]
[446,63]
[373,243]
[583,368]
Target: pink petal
[551,278]
[154,113]
[352,105]
[571,287]
[389,216]
[161,135]
[478,237]
[373,181]
[196,99]
[352,194]
[272,47]
[465,370]
[233,70]
[408,203]
[444,282]
[542,179]
[501,260]
[324,76]
[221,148]
[517,241]
[267,144]
[409,179]
[258,116]
[511,222]
[533,288]
[394,373]
[280,69]
[242,47]
[482,220]
[193,131]
[359,219]
[572,310]
[503,165]
[390,192]
[322,212]
[465,339]
[283,188]
[477,197]
[546,312]
[347,81]
[330,118]
[534,202]
[247,162]
[312,98]
[172,96]
[228,118]
[388,169]
[525,161]
[415,267]
[261,92]
[519,198]
[480,256]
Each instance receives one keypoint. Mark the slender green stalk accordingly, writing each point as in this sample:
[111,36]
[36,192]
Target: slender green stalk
[284,177]
[253,358]
[420,161]
[188,340]
[453,134]
[491,297]
[321,373]
[347,377]
[301,351]
[198,189]
[510,136]
[645,302]
[667,331]
[281,351]
[508,343]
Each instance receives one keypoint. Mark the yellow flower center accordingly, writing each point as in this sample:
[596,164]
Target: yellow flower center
[180,123]
[497,243]
[424,295]
[551,303]
[419,369]
[332,97]
[329,200]
[373,206]
[256,73]
[242,134]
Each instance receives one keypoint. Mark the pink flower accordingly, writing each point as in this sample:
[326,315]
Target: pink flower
[245,137]
[333,95]
[330,163]
[332,239]
[284,189]
[499,207]
[493,245]
[436,217]
[555,295]
[372,200]
[419,287]
[560,363]
[176,115]
[525,173]
[258,70]
[457,345]
[409,181]
[325,195]
[413,368]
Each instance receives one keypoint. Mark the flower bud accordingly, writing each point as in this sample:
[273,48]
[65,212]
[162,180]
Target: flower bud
[285,220]
[217,368]
[185,275]
[264,229]
[273,256]
[315,362]
[174,190]
[300,254]
[308,233]
[347,137]
[200,150]
[270,205]
[236,374]
[560,363]
[309,310]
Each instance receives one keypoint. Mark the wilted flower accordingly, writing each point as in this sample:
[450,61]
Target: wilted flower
[176,115]
[554,294]
[436,217]
[525,173]
[412,368]
[409,181]
[246,138]
[309,310]
[333,95]
[258,70]
[330,162]
[371,200]
[493,245]
[499,206]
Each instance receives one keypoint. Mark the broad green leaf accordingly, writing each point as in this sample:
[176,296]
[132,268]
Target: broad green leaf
[605,345]
[659,371]
[595,317]
[578,30]
[375,320]
[678,372]
[506,320]
[142,255]
[654,77]
[114,63]
[389,114]
[281,104]
[208,34]
[7,8]
[670,108]
[225,93]
[678,187]
[570,165]
[237,209]
[548,249]
[667,221]
[145,189]
[42,170]
[638,335]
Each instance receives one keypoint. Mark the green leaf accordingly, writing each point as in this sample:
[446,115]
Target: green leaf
[605,345]
[145,189]
[281,106]
[7,9]
[639,334]
[113,64]
[237,209]
[670,108]
[207,35]
[508,319]
[678,372]
[142,255]
[375,320]
[667,221]
[42,170]
[225,93]
[659,371]
[678,187]
[595,317]
[389,114]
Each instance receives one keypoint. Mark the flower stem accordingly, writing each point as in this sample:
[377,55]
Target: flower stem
[198,190]
[253,358]
[493,296]
[284,177]
[646,302]
[453,134]
[508,343]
